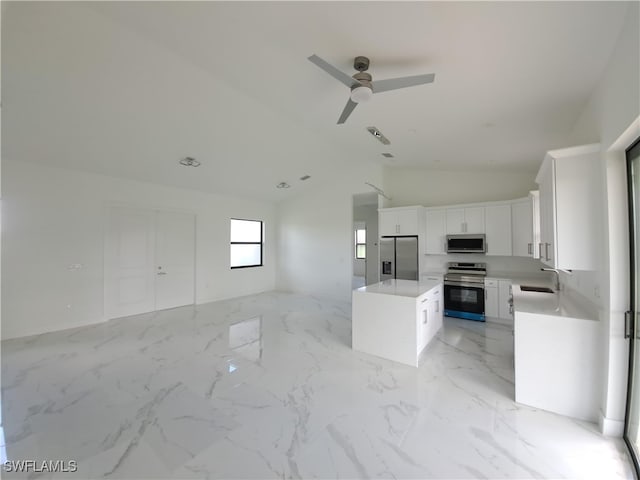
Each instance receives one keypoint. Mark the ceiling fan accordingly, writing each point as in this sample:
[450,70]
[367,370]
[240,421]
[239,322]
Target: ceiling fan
[361,85]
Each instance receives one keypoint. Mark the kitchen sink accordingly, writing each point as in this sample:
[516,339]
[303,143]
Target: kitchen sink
[528,288]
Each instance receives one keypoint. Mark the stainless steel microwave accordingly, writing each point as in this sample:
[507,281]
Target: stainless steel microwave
[471,243]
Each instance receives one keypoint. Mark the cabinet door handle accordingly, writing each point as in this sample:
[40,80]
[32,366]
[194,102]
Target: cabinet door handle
[485,294]
[540,250]
[437,306]
[425,318]
[530,248]
[628,323]
[546,251]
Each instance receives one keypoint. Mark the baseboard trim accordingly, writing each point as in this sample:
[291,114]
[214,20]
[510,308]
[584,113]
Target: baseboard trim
[610,427]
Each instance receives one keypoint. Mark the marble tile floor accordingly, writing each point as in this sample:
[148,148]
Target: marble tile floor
[267,386]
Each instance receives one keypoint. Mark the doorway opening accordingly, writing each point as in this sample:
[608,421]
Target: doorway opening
[365,239]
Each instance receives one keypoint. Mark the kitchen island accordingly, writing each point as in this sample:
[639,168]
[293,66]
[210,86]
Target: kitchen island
[396,319]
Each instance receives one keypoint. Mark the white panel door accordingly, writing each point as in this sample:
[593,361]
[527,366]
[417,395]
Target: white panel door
[129,262]
[175,257]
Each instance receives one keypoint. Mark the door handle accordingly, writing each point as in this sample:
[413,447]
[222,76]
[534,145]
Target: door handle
[628,324]
[162,273]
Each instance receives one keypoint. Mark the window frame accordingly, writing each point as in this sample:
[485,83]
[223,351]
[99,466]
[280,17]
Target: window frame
[261,243]
[358,244]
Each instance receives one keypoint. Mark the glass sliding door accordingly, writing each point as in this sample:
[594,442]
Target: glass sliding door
[632,422]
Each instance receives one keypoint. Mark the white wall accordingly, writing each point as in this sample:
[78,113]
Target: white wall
[421,186]
[53,218]
[612,117]
[315,235]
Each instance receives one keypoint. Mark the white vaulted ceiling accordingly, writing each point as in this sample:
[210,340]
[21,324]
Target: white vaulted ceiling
[129,88]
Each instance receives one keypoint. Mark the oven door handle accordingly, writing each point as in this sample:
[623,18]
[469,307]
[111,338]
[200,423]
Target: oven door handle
[479,286]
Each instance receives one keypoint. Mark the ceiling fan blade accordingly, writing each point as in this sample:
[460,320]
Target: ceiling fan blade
[334,72]
[348,108]
[402,82]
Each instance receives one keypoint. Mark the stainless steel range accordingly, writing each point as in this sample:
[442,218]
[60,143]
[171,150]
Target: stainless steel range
[464,290]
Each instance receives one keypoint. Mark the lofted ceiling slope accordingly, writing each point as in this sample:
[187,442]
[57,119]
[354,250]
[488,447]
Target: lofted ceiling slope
[129,88]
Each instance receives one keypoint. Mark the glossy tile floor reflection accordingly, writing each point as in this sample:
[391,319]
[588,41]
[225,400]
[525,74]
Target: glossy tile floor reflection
[267,386]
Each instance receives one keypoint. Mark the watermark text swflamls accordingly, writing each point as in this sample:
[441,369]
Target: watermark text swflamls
[40,466]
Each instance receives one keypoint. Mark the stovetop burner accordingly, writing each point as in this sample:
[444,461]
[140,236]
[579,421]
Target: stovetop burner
[463,272]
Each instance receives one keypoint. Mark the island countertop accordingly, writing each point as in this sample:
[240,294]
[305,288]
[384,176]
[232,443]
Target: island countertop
[401,288]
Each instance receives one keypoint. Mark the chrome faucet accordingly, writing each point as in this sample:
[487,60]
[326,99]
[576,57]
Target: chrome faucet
[557,276]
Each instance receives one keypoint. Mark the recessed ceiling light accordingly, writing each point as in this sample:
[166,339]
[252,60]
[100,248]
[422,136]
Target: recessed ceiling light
[305,177]
[378,134]
[388,155]
[283,185]
[189,162]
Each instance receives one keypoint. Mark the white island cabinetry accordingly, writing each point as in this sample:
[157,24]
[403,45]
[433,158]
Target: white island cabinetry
[396,319]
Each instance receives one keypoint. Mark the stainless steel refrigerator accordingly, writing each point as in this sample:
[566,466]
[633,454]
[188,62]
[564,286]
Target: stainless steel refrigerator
[399,258]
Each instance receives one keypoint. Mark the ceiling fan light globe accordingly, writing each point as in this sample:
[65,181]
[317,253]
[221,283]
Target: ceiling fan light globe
[361,94]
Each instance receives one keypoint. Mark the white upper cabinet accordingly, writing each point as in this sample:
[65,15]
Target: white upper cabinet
[399,221]
[522,228]
[569,209]
[474,219]
[498,229]
[465,220]
[435,237]
[455,220]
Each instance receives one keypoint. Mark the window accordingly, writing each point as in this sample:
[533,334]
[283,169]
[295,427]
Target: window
[246,243]
[361,243]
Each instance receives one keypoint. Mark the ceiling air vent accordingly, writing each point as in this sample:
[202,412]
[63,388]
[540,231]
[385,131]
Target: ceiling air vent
[388,155]
[377,134]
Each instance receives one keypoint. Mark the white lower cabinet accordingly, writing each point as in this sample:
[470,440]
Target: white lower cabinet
[490,298]
[430,317]
[505,300]
[497,299]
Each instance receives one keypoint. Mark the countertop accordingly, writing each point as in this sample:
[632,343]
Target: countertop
[560,304]
[401,288]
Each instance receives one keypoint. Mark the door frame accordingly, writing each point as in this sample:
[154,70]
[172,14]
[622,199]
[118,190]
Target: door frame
[107,206]
[634,217]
